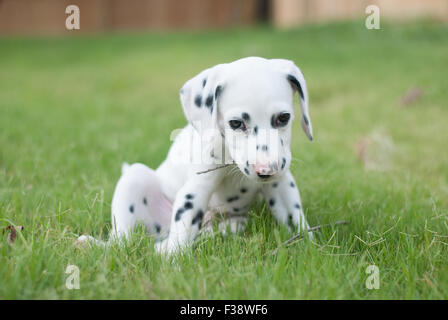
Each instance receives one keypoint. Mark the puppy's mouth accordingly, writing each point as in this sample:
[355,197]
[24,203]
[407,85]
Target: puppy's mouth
[260,178]
[265,177]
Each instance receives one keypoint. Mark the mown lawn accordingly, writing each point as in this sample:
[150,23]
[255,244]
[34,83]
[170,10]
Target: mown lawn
[73,109]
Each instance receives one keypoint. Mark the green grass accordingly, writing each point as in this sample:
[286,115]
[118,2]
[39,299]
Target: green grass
[73,109]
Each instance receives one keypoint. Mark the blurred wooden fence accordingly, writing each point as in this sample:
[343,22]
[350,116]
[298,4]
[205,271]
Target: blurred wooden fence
[48,16]
[286,13]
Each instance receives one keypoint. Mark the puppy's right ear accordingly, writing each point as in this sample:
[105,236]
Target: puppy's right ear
[199,98]
[297,81]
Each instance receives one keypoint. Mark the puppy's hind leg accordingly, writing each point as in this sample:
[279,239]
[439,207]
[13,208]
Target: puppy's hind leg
[137,199]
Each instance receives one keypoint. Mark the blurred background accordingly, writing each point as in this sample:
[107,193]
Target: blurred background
[48,16]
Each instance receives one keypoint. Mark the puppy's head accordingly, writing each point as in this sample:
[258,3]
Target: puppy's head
[250,103]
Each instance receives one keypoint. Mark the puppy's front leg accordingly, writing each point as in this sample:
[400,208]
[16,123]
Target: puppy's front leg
[189,208]
[284,201]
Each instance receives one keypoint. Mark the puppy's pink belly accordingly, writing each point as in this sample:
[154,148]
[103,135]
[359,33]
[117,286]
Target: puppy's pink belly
[163,212]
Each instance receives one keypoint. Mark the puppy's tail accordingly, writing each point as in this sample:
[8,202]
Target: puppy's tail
[124,167]
[89,241]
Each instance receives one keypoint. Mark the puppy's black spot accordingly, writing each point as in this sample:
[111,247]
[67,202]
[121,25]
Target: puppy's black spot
[198,100]
[243,190]
[247,163]
[188,205]
[131,208]
[306,120]
[246,171]
[283,163]
[198,218]
[296,83]
[256,130]
[179,214]
[297,206]
[273,121]
[145,202]
[290,222]
[245,116]
[275,184]
[264,148]
[281,141]
[189,196]
[292,184]
[209,101]
[158,227]
[218,91]
[258,147]
[234,198]
[236,209]
[271,202]
[204,82]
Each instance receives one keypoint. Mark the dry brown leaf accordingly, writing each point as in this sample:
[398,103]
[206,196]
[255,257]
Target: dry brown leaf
[12,235]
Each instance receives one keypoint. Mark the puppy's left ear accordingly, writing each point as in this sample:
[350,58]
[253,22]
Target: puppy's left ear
[199,98]
[297,80]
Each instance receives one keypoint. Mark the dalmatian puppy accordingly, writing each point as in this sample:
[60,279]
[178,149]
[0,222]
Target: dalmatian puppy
[240,117]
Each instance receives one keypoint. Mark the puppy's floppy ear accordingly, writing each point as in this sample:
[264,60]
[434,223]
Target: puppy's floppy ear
[297,80]
[199,98]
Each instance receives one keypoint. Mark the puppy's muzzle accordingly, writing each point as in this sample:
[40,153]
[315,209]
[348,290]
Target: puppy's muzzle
[265,170]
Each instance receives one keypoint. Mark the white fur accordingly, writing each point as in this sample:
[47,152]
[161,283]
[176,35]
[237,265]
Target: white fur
[256,86]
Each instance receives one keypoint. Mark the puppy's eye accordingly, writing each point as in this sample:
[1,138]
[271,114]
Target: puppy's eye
[237,124]
[282,119]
